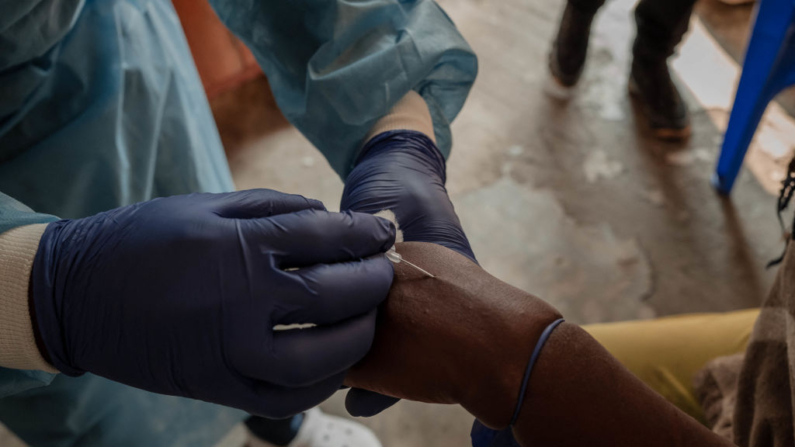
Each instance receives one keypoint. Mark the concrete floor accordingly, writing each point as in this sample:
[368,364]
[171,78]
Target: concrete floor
[568,199]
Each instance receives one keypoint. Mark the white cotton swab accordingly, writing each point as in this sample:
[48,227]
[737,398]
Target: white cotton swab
[395,257]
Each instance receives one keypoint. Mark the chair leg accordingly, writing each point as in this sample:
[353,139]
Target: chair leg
[759,83]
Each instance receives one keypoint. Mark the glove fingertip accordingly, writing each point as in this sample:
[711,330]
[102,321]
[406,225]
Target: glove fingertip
[366,234]
[387,217]
[390,232]
[315,204]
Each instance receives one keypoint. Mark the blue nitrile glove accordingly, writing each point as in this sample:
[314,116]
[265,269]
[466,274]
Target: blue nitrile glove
[180,296]
[404,172]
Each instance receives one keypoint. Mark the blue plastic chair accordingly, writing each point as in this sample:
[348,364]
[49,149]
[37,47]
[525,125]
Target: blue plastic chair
[769,67]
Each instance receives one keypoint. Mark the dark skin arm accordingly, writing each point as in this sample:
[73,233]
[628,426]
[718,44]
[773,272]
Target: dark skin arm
[465,337]
[579,395]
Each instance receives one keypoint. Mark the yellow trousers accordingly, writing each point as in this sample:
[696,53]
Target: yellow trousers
[666,353]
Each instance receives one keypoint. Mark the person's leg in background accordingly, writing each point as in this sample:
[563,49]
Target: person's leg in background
[660,27]
[567,58]
[661,24]
[667,353]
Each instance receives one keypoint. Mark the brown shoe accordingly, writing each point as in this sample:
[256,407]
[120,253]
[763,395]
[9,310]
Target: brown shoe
[651,84]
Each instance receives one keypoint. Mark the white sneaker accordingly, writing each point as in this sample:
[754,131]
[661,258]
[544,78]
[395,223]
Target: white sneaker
[323,430]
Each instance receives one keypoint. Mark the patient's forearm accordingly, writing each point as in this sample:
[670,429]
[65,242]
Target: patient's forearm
[579,394]
[466,337]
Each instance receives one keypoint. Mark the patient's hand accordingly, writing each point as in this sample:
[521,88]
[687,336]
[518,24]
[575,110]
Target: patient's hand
[462,337]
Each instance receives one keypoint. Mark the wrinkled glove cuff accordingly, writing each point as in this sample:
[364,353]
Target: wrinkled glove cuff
[408,143]
[47,302]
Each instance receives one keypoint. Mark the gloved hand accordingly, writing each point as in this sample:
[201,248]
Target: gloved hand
[180,296]
[404,172]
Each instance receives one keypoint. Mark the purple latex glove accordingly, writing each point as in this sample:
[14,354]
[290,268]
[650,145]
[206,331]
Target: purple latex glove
[404,172]
[180,296]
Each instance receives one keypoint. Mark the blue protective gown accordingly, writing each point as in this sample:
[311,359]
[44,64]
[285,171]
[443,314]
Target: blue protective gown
[101,106]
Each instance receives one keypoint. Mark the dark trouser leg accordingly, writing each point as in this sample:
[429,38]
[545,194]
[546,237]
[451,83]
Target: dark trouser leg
[661,25]
[589,6]
[567,58]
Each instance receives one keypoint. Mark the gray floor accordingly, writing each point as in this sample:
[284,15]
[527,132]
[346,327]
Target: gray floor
[570,200]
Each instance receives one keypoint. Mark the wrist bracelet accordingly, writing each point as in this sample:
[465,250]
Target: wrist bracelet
[536,351]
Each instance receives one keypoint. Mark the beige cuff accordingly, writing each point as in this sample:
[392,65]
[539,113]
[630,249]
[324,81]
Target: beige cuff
[410,113]
[18,348]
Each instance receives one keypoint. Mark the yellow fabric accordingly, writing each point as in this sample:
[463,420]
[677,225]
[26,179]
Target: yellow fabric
[666,353]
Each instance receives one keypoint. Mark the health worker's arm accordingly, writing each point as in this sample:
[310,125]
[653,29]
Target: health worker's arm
[28,32]
[465,338]
[336,67]
[183,295]
[401,170]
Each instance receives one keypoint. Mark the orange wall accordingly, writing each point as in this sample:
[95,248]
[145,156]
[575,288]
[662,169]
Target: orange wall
[222,60]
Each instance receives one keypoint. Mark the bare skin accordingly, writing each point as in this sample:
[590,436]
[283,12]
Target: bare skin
[465,338]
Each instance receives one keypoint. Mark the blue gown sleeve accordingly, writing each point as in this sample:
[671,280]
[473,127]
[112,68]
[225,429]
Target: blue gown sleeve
[337,66]
[22,59]
[28,31]
[14,214]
